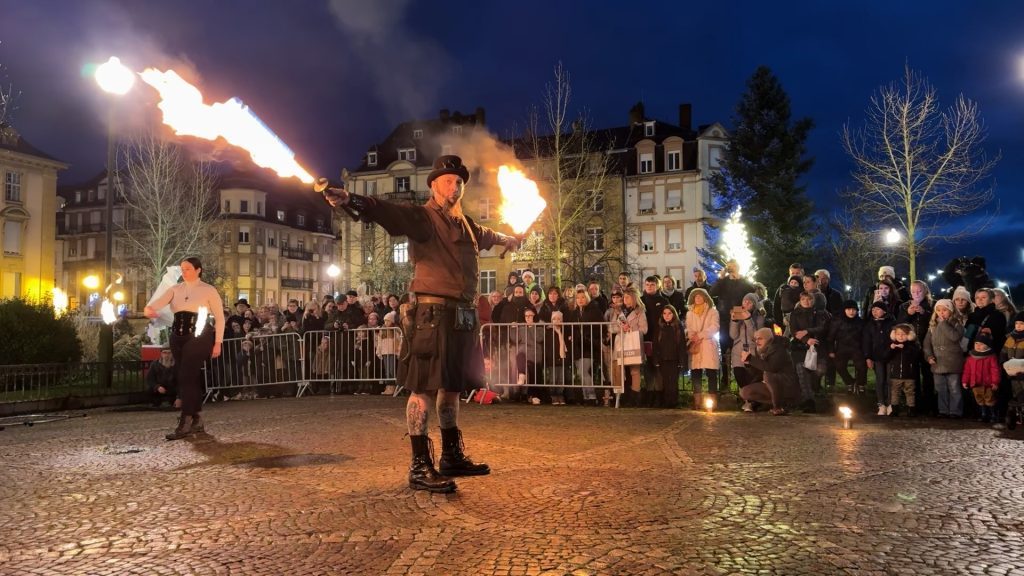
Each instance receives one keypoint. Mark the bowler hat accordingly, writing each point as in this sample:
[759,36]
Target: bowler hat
[243,301]
[448,164]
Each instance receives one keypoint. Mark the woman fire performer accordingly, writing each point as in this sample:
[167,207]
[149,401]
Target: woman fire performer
[191,301]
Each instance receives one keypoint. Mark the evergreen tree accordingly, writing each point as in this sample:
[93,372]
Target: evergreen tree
[760,172]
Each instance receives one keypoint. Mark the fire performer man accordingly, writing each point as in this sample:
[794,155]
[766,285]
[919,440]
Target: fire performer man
[190,345]
[443,354]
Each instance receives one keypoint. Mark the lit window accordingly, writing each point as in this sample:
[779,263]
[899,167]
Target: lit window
[648,128]
[400,252]
[402,184]
[646,163]
[371,158]
[280,215]
[595,239]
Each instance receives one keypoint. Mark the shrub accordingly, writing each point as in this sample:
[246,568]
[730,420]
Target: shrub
[34,335]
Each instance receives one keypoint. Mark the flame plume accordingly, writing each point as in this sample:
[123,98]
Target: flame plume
[521,202]
[185,112]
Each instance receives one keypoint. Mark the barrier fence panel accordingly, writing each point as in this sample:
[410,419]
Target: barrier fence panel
[25,382]
[572,357]
[362,359]
[256,361]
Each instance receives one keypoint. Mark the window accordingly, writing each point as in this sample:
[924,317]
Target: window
[648,128]
[647,202]
[407,154]
[280,215]
[368,226]
[243,234]
[647,241]
[92,195]
[402,184]
[300,219]
[486,205]
[12,187]
[488,281]
[446,149]
[675,240]
[646,163]
[370,187]
[674,200]
[12,237]
[595,198]
[417,134]
[90,248]
[259,208]
[72,247]
[271,239]
[78,196]
[457,130]
[371,158]
[95,219]
[595,239]
[227,206]
[400,252]
[259,268]
[271,268]
[11,285]
[119,216]
[243,206]
[243,266]
[674,160]
[320,225]
[715,159]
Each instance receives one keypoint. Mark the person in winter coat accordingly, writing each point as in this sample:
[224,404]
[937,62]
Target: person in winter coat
[845,343]
[808,327]
[917,311]
[632,318]
[669,356]
[742,326]
[700,280]
[1013,349]
[553,303]
[985,318]
[776,312]
[778,386]
[557,357]
[530,357]
[904,356]
[585,341]
[675,297]
[876,352]
[787,299]
[945,357]
[702,326]
[981,375]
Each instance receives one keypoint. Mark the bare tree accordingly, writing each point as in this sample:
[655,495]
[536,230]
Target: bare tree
[8,99]
[571,168]
[380,270]
[170,206]
[918,167]
[855,251]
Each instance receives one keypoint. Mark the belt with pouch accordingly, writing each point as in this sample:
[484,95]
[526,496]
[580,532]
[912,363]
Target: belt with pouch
[465,312]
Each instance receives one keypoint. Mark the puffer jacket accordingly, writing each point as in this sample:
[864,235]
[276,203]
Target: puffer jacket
[876,338]
[943,344]
[815,322]
[845,336]
[903,362]
[981,370]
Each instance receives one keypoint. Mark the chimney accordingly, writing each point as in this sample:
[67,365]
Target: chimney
[636,113]
[445,114]
[686,116]
[481,116]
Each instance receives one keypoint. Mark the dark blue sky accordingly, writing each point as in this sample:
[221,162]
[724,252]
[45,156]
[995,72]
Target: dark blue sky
[331,78]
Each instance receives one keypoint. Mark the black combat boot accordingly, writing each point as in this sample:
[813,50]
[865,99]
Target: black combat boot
[453,461]
[184,429]
[422,475]
[198,426]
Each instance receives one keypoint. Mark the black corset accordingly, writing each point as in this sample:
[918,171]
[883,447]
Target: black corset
[184,324]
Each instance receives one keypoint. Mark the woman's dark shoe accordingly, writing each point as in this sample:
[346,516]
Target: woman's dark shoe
[184,429]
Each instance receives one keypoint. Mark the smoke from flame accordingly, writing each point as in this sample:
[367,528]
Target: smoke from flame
[185,112]
[521,202]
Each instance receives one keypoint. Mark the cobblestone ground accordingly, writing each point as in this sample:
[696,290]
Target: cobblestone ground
[317,486]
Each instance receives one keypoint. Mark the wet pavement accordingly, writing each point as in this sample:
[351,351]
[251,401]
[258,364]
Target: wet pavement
[317,486]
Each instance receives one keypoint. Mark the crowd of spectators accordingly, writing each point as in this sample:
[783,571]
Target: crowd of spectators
[782,349]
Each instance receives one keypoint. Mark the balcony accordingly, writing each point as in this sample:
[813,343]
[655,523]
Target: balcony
[299,283]
[296,254]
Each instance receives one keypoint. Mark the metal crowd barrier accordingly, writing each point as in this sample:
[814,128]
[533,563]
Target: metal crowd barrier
[31,382]
[573,356]
[256,361]
[355,356]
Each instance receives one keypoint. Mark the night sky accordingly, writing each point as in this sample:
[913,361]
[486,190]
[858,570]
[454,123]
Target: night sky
[332,78]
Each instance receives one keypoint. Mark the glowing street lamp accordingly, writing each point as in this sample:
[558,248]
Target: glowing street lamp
[92,282]
[333,272]
[893,236]
[114,77]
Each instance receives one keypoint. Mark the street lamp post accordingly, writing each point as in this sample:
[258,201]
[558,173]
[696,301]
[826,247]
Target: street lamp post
[113,78]
[333,272]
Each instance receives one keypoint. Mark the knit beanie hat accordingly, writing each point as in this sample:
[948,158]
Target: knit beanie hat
[1019,317]
[753,298]
[961,292]
[946,303]
[985,338]
[886,271]
[881,305]
[850,304]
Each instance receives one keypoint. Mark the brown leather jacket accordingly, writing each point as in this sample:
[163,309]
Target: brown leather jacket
[443,249]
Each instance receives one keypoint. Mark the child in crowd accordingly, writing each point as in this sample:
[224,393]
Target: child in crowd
[946,358]
[1013,349]
[981,375]
[844,342]
[903,360]
[790,299]
[669,356]
[876,352]
[389,344]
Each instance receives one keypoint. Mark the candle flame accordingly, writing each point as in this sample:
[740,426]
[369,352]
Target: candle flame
[185,112]
[201,317]
[521,202]
[709,404]
[846,412]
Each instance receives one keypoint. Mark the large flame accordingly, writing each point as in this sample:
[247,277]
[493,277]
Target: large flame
[184,110]
[107,312]
[521,202]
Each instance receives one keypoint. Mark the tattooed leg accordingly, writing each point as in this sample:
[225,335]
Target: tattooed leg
[448,409]
[417,409]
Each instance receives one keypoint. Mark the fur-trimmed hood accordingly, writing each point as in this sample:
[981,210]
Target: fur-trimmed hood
[911,334]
